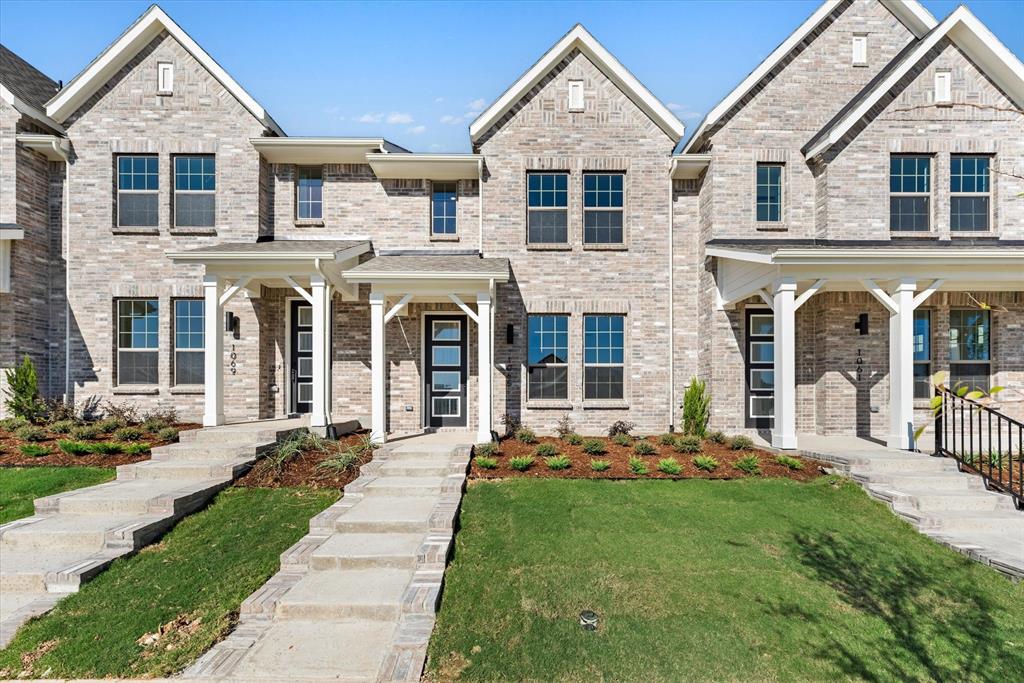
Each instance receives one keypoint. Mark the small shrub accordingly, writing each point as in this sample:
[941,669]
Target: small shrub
[135,448]
[33,450]
[521,463]
[110,425]
[637,466]
[573,439]
[30,433]
[342,462]
[23,391]
[643,447]
[741,443]
[667,439]
[57,409]
[696,408]
[12,423]
[688,444]
[485,449]
[717,437]
[281,454]
[486,463]
[62,426]
[106,448]
[669,466]
[86,433]
[526,435]
[167,434]
[73,447]
[705,462]
[512,423]
[546,450]
[125,412]
[557,462]
[565,427]
[600,465]
[789,461]
[748,464]
[168,415]
[622,439]
[128,434]
[620,427]
[154,425]
[593,447]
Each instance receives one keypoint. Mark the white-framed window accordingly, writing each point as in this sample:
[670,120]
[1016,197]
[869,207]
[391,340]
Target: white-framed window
[446,355]
[859,49]
[309,188]
[970,193]
[762,406]
[769,192]
[443,200]
[547,202]
[164,78]
[970,345]
[604,352]
[575,95]
[760,365]
[446,380]
[138,341]
[603,201]
[189,342]
[445,406]
[138,185]
[943,87]
[195,191]
[910,192]
[548,357]
[446,330]
[922,353]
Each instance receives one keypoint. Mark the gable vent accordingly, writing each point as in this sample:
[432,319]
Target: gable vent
[165,78]
[943,93]
[575,95]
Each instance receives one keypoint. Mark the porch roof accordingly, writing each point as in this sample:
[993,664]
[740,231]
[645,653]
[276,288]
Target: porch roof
[429,266]
[912,250]
[272,250]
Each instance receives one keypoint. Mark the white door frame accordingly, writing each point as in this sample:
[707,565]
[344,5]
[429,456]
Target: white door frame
[424,408]
[288,352]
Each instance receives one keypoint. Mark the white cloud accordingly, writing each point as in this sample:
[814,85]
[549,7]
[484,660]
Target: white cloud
[683,111]
[448,118]
[456,120]
[417,130]
[396,118]
[438,100]
[478,104]
[370,118]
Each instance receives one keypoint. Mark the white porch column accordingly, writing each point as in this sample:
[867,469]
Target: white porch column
[378,403]
[485,363]
[784,304]
[901,366]
[318,417]
[213,353]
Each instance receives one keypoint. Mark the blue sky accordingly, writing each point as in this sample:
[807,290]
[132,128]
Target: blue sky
[416,73]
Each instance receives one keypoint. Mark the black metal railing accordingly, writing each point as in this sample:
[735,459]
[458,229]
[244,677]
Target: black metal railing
[981,440]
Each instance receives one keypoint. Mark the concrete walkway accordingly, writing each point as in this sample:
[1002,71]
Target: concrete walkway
[75,535]
[950,506]
[355,599]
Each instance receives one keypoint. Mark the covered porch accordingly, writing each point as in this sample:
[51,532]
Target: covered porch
[901,277]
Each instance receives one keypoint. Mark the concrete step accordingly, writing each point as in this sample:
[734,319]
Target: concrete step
[179,452]
[377,514]
[951,501]
[141,496]
[26,571]
[238,433]
[362,551]
[373,594]
[907,464]
[964,521]
[414,468]
[405,486]
[81,533]
[936,481]
[185,469]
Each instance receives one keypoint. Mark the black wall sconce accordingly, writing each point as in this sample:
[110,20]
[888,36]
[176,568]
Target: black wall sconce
[231,323]
[861,324]
[510,333]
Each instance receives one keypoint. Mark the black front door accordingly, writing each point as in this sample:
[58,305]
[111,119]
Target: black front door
[445,370]
[760,368]
[301,361]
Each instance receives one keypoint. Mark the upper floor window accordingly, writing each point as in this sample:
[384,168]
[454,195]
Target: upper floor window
[969,188]
[138,182]
[138,341]
[548,356]
[769,193]
[969,348]
[310,187]
[443,197]
[603,356]
[189,343]
[547,208]
[602,208]
[195,185]
[910,187]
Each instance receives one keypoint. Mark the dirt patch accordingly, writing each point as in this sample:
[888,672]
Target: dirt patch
[11,454]
[311,465]
[618,458]
[171,635]
[29,659]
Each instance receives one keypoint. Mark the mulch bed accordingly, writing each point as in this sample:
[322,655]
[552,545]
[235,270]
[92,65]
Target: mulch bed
[11,455]
[302,470]
[618,456]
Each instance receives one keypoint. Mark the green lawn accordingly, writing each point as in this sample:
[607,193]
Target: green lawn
[202,569]
[765,580]
[19,486]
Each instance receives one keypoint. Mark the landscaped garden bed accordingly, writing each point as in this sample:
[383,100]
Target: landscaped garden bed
[308,460]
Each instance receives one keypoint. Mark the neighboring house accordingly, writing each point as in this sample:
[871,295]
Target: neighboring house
[574,263]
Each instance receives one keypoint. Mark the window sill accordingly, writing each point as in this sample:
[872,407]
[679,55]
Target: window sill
[971,234]
[548,404]
[548,247]
[139,230]
[771,227]
[913,234]
[605,405]
[444,238]
[187,389]
[309,223]
[605,247]
[136,389]
[193,231]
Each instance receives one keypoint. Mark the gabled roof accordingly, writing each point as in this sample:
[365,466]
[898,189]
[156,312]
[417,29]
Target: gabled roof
[911,13]
[580,39]
[969,34]
[26,82]
[121,51]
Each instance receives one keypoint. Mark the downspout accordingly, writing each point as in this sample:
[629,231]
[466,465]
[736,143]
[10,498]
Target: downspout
[67,278]
[480,203]
[671,301]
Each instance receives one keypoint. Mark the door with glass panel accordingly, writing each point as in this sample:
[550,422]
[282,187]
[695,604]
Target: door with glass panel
[445,371]
[301,362]
[760,368]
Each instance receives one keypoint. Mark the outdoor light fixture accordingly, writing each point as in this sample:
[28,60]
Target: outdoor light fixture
[862,323]
[588,620]
[510,333]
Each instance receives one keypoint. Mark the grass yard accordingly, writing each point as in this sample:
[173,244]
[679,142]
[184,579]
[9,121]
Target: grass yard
[766,580]
[19,486]
[156,612]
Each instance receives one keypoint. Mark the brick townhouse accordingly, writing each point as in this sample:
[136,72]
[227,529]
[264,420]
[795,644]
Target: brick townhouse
[846,222]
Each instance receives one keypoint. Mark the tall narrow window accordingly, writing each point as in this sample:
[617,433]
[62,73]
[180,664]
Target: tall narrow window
[769,193]
[760,366]
[922,353]
[547,208]
[603,356]
[548,357]
[443,198]
[189,324]
[310,200]
[602,208]
[910,190]
[970,190]
[860,50]
[138,341]
[195,185]
[138,183]
[969,348]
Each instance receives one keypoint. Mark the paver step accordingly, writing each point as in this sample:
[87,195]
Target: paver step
[361,551]
[140,496]
[81,533]
[409,514]
[185,469]
[405,486]
[374,594]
